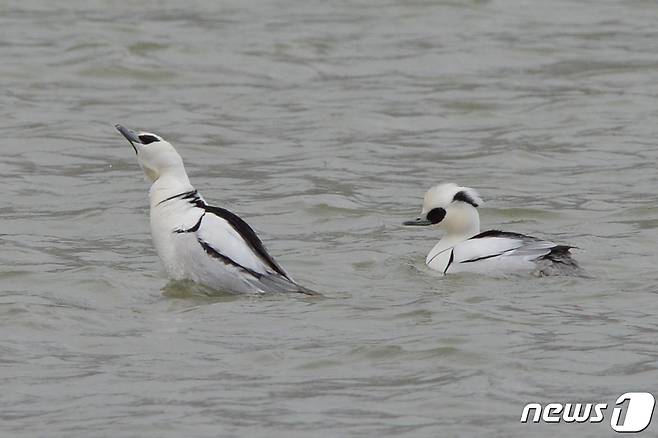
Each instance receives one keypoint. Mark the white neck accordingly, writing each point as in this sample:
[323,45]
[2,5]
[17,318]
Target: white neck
[170,183]
[461,223]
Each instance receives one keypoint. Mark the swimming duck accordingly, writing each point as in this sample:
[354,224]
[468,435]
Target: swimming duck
[196,241]
[463,248]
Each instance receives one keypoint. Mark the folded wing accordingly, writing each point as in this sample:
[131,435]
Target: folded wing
[229,236]
[500,244]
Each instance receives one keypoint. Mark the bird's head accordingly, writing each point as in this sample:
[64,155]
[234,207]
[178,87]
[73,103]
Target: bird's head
[450,207]
[155,155]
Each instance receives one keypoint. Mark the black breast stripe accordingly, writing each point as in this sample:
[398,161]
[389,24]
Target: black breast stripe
[452,258]
[438,254]
[184,195]
[243,229]
[212,252]
[193,229]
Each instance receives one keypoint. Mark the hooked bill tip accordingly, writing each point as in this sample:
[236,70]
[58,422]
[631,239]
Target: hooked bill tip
[130,135]
[417,222]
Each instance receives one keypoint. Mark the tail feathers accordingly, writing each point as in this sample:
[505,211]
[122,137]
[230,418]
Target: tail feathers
[278,283]
[558,262]
[561,254]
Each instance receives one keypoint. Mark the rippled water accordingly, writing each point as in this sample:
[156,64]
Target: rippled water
[323,123]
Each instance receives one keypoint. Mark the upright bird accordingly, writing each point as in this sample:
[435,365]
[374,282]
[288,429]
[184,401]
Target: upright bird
[196,241]
[464,248]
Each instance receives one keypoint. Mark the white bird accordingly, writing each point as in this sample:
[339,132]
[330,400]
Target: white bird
[464,248]
[198,242]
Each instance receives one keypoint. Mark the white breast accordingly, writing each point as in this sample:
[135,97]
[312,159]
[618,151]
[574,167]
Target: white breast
[170,246]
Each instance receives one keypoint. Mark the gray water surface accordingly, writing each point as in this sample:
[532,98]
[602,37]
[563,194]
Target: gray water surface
[322,124]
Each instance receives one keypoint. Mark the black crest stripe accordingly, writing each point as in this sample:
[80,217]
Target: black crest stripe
[212,252]
[464,197]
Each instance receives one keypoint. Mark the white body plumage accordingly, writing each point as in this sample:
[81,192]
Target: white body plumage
[199,242]
[464,249]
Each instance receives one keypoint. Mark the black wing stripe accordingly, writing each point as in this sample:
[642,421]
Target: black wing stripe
[488,256]
[212,252]
[248,235]
[498,233]
[243,229]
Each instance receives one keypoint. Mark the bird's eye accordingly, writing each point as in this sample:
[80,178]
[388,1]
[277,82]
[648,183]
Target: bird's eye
[436,215]
[146,138]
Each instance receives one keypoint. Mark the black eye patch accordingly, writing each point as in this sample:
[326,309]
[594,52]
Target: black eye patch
[436,215]
[463,196]
[146,139]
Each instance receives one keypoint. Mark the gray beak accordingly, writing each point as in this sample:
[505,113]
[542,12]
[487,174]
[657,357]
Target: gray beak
[130,135]
[418,222]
